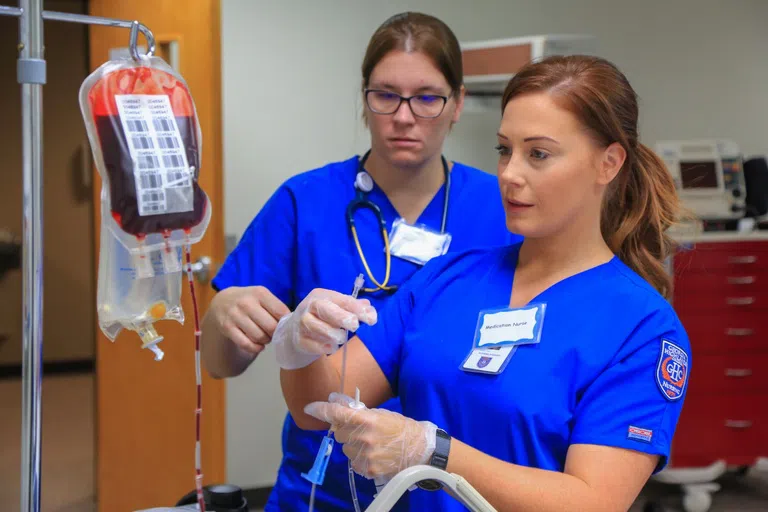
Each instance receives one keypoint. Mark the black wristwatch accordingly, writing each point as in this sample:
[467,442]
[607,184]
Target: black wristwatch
[442,449]
[439,459]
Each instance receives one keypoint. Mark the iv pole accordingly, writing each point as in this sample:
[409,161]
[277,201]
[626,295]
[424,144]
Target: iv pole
[31,74]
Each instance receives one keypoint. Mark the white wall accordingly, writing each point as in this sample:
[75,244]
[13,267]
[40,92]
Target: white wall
[291,79]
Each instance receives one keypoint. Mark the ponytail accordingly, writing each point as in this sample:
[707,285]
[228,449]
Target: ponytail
[640,208]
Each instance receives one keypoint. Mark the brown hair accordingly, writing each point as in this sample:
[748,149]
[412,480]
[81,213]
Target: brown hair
[413,31]
[641,203]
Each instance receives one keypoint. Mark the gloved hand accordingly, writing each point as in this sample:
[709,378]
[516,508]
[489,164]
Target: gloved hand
[318,326]
[379,443]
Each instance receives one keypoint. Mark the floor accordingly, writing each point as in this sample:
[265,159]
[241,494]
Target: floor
[746,493]
[67,443]
[68,455]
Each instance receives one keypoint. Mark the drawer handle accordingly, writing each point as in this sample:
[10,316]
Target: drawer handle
[741,280]
[738,372]
[742,260]
[733,331]
[738,423]
[739,301]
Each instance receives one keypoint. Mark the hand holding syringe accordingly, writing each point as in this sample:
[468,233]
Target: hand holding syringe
[319,325]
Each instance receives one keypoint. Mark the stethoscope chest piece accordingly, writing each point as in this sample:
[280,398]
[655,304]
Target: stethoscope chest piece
[363,182]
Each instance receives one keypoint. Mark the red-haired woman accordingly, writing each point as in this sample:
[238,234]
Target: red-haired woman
[551,373]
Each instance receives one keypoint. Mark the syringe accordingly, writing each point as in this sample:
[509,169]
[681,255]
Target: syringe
[316,475]
[355,291]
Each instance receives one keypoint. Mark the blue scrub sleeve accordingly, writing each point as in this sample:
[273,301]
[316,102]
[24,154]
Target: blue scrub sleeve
[635,402]
[266,254]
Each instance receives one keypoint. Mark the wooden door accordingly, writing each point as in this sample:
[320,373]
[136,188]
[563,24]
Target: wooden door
[145,409]
[68,338]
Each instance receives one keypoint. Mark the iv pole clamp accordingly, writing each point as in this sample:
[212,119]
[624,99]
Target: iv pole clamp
[31,75]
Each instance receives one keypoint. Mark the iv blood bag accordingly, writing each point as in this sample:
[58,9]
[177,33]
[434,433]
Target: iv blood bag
[146,141]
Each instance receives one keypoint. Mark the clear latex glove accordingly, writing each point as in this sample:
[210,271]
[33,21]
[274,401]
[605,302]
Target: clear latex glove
[379,443]
[318,326]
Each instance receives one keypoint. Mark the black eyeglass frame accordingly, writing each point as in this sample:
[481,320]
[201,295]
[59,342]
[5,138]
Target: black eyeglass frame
[406,99]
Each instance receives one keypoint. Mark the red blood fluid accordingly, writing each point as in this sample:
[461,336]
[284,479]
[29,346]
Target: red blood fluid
[116,154]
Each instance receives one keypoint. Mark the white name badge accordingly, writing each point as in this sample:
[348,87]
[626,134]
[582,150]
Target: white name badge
[498,335]
[492,361]
[417,244]
[520,326]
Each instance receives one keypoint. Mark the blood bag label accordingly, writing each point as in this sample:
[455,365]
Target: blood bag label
[160,167]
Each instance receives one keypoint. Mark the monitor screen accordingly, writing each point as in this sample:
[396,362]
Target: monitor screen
[698,174]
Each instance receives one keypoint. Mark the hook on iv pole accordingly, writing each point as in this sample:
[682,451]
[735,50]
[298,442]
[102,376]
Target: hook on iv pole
[134,38]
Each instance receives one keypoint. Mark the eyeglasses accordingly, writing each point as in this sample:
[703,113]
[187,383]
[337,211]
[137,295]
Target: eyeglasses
[422,105]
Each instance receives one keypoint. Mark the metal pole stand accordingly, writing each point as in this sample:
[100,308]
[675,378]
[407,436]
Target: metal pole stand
[31,71]
[31,74]
[453,484]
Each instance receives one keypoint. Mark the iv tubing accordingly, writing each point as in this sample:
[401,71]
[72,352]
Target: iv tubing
[198,381]
[352,487]
[356,290]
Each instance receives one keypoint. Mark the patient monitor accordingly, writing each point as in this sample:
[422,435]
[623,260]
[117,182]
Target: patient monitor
[709,176]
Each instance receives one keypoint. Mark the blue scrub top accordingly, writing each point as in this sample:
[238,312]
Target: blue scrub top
[300,241]
[597,376]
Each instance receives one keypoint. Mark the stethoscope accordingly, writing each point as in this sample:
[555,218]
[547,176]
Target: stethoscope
[363,185]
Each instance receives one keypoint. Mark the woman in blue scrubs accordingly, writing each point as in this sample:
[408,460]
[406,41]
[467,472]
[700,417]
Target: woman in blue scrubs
[303,238]
[550,373]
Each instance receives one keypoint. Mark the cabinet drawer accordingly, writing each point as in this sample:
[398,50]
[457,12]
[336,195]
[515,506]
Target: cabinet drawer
[723,426]
[738,331]
[725,304]
[735,257]
[729,373]
[721,283]
[732,247]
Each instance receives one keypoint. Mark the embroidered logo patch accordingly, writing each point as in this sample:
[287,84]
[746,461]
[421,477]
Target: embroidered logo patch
[672,370]
[639,434]
[483,362]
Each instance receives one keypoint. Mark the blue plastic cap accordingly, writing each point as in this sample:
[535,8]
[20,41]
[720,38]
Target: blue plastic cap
[316,475]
